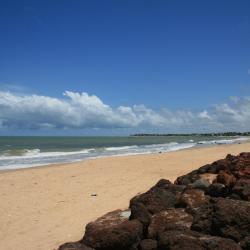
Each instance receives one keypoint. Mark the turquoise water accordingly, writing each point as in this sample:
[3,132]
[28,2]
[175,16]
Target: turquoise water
[20,152]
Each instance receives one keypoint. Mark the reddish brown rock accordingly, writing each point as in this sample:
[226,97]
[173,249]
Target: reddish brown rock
[176,218]
[113,231]
[218,190]
[192,199]
[140,212]
[162,196]
[189,240]
[238,166]
[224,217]
[227,179]
[148,244]
[242,189]
[233,177]
[74,246]
[245,243]
[231,219]
[202,221]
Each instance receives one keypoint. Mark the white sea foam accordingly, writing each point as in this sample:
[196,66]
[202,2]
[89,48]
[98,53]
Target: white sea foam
[121,148]
[224,141]
[36,153]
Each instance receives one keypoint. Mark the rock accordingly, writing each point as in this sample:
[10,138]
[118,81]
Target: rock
[160,197]
[188,178]
[231,219]
[227,179]
[230,177]
[74,246]
[217,190]
[139,212]
[202,184]
[162,183]
[179,240]
[148,244]
[245,244]
[192,199]
[113,231]
[237,166]
[177,218]
[242,188]
[189,240]
[224,217]
[197,179]
[202,221]
[218,243]
[208,176]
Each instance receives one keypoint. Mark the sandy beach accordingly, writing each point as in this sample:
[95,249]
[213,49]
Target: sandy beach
[44,207]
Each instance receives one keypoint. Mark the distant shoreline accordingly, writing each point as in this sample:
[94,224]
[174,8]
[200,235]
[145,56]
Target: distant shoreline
[196,134]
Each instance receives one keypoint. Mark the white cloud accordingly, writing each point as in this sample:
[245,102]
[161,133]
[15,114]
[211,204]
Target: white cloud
[81,110]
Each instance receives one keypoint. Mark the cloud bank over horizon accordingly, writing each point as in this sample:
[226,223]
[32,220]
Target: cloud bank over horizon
[83,111]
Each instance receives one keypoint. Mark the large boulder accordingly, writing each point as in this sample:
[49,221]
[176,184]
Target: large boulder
[162,196]
[189,240]
[241,189]
[113,231]
[224,217]
[169,219]
[225,178]
[192,199]
[140,212]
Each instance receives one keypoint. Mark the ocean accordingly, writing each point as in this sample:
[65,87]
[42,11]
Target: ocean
[31,151]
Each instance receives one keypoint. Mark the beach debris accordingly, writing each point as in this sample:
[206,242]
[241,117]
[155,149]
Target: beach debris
[208,208]
[93,194]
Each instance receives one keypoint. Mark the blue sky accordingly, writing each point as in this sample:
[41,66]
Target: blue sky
[177,59]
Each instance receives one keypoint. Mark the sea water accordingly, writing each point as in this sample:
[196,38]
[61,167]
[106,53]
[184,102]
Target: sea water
[23,152]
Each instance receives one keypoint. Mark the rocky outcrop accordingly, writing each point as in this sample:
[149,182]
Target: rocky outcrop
[208,208]
[229,177]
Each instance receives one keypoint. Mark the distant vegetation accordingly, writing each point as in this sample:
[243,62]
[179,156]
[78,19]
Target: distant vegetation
[199,134]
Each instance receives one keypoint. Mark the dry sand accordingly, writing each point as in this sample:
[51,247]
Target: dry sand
[41,208]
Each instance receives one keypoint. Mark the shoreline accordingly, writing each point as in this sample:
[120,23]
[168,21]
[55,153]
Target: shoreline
[197,146]
[42,207]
